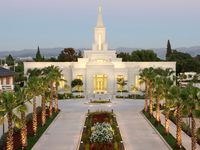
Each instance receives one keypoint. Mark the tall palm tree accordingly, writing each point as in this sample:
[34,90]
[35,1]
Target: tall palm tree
[22,98]
[7,104]
[58,78]
[53,76]
[33,92]
[178,95]
[192,109]
[151,74]
[158,94]
[44,90]
[144,79]
[167,83]
[163,81]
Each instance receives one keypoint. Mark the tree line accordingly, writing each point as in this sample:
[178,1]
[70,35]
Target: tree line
[181,101]
[41,82]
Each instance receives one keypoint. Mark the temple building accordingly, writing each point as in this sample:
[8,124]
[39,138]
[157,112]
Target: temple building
[100,68]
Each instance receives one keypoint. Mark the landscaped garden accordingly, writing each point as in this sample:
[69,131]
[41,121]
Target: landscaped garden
[100,132]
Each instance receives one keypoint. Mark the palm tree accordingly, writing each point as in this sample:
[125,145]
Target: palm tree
[192,108]
[33,92]
[53,76]
[58,78]
[44,92]
[163,81]
[22,98]
[167,83]
[178,95]
[158,94]
[121,82]
[151,74]
[144,79]
[7,104]
[34,72]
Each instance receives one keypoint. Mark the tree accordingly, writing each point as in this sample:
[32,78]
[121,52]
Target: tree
[151,77]
[10,60]
[178,95]
[80,55]
[139,55]
[38,56]
[34,91]
[169,50]
[22,98]
[192,109]
[7,104]
[121,82]
[34,72]
[158,94]
[184,62]
[53,76]
[78,83]
[168,102]
[144,79]
[68,55]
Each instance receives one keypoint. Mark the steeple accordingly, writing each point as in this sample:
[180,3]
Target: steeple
[100,33]
[100,17]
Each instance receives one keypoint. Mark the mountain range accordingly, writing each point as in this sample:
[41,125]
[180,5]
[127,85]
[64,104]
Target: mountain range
[53,52]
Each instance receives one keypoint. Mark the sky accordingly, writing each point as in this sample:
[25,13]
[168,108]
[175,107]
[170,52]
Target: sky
[25,24]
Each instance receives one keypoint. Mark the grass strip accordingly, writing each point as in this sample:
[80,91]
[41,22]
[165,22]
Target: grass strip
[32,140]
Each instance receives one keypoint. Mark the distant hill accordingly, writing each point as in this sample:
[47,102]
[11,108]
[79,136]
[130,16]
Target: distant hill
[52,52]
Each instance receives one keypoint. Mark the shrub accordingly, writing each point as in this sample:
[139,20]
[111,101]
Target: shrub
[102,133]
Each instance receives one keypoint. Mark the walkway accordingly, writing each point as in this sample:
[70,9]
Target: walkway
[64,133]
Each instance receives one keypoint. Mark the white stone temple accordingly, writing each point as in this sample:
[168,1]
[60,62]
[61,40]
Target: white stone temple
[99,68]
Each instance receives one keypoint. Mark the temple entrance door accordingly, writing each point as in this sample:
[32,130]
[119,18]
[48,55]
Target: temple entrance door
[100,84]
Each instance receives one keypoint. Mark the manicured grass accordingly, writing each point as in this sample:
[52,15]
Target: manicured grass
[32,140]
[161,129]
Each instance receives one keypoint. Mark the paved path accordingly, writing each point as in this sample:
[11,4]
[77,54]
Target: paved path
[64,133]
[186,140]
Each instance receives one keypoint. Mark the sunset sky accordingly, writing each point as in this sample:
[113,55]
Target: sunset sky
[69,23]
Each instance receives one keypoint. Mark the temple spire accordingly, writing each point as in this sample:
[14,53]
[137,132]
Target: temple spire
[100,17]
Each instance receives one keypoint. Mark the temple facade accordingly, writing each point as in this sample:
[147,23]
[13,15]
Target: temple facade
[100,68]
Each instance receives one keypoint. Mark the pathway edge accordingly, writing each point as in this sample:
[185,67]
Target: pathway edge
[156,132]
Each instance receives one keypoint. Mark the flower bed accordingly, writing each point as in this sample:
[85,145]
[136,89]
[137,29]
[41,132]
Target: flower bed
[101,132]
